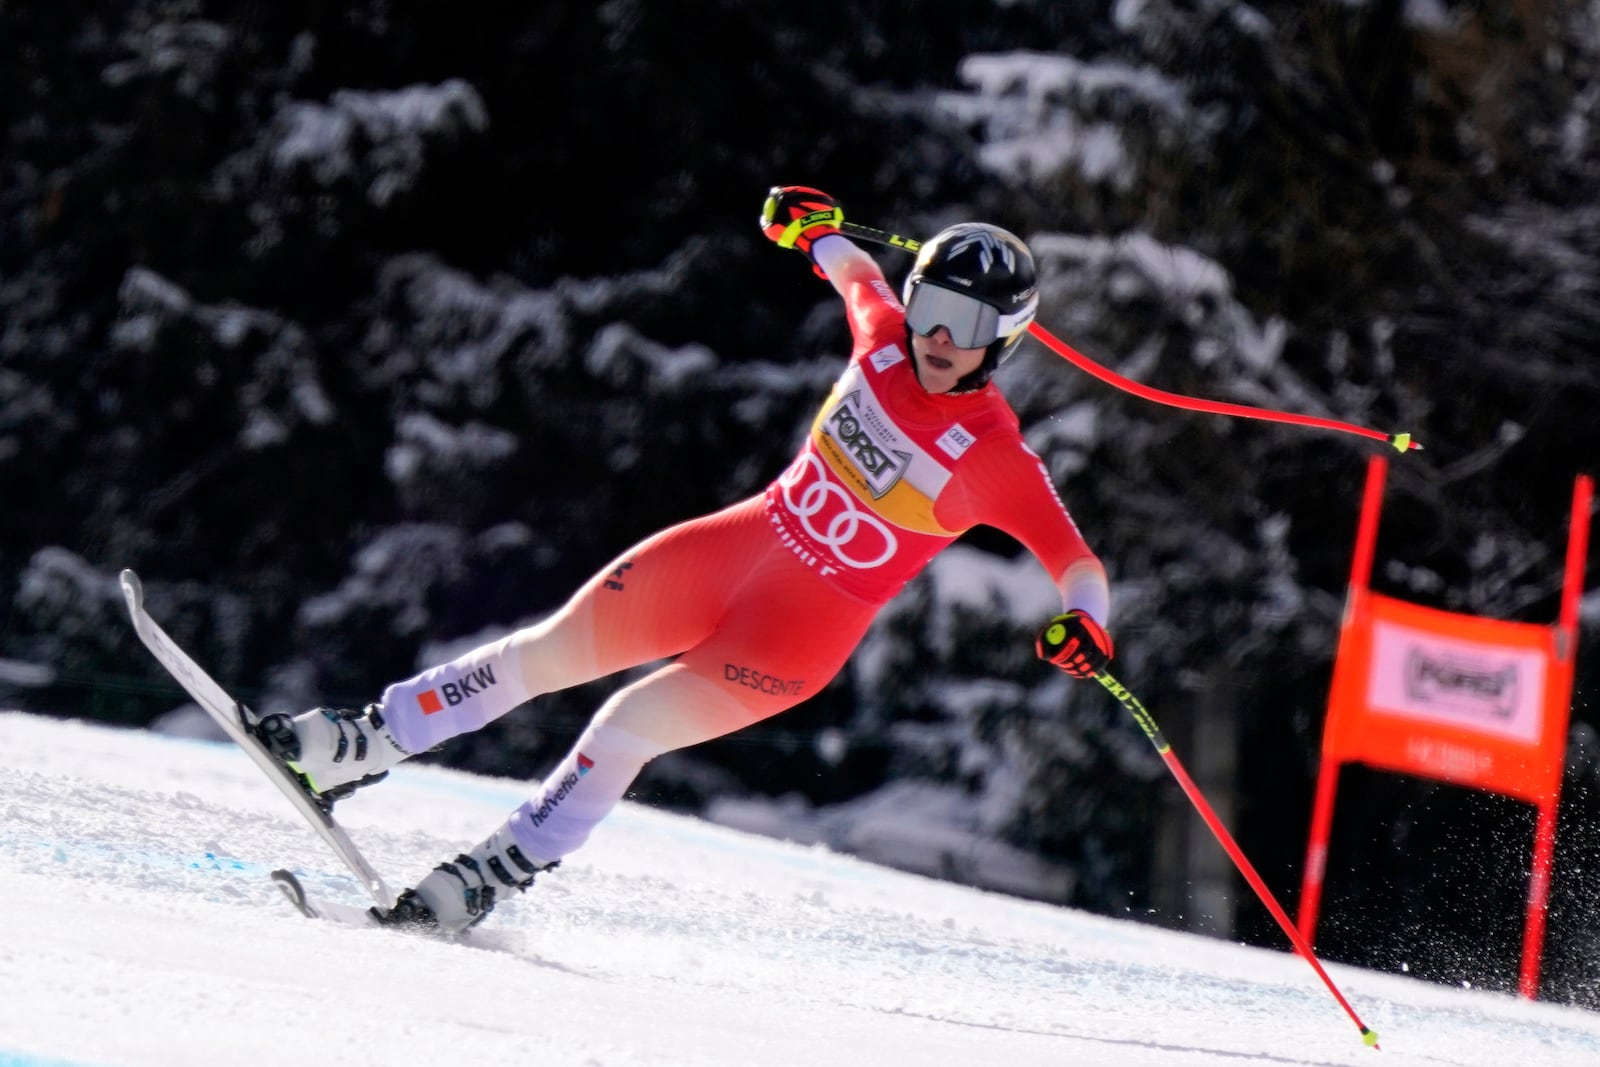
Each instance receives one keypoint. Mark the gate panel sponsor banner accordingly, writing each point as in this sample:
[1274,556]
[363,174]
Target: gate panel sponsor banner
[1455,697]
[1489,688]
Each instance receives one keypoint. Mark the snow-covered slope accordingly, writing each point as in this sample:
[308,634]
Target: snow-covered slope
[139,927]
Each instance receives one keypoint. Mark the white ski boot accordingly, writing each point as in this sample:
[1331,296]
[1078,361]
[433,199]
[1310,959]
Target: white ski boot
[460,893]
[335,751]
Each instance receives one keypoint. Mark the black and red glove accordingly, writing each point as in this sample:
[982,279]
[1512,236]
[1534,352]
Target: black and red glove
[796,215]
[1075,643]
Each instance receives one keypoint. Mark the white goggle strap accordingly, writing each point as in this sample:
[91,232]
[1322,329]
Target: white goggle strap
[1010,324]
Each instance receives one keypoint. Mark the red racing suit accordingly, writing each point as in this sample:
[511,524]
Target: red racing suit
[759,605]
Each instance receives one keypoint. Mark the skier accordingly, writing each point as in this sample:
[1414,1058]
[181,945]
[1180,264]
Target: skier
[761,603]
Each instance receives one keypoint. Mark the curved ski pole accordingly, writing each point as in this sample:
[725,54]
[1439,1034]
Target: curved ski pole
[1147,723]
[1400,442]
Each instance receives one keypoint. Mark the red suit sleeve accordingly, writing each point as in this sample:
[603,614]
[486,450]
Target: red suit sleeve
[870,302]
[1003,483]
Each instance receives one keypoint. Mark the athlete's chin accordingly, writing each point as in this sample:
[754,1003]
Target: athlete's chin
[936,379]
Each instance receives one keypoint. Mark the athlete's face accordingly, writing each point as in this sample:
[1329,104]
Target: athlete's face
[940,364]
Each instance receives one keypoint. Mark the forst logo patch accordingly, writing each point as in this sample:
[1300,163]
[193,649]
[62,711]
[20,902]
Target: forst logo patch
[455,692]
[863,435]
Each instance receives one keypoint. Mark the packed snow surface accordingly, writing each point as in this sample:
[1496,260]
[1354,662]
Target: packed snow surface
[140,928]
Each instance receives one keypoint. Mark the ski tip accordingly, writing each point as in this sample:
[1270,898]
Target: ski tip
[330,911]
[291,887]
[132,588]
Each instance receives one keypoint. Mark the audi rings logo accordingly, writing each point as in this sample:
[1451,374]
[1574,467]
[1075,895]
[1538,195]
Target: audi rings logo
[832,518]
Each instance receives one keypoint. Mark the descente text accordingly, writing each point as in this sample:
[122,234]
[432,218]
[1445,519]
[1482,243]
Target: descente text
[766,683]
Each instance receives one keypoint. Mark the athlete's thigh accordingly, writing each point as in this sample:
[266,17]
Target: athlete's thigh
[668,592]
[746,670]
[784,636]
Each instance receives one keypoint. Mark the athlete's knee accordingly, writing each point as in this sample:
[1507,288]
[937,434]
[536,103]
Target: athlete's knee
[675,708]
[555,653]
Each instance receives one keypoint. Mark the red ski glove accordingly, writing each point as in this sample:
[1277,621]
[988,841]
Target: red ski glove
[1075,643]
[796,215]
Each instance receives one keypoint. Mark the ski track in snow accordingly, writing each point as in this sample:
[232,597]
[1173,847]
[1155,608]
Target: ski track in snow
[141,929]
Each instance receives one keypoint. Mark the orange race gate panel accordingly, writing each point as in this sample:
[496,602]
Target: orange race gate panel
[1458,698]
[1476,702]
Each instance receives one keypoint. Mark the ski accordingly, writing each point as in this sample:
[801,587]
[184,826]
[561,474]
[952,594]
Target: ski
[313,908]
[396,918]
[239,722]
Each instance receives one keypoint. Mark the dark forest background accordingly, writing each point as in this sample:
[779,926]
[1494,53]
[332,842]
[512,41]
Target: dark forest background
[366,331]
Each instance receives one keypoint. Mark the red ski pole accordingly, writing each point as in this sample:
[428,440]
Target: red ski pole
[1147,723]
[1401,442]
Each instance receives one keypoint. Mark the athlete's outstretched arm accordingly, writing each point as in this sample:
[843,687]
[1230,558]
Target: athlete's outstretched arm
[1005,485]
[850,269]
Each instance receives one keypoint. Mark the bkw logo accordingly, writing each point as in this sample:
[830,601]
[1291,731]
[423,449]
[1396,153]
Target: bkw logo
[454,692]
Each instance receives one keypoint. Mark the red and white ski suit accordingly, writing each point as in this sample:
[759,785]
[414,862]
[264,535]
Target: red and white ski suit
[759,605]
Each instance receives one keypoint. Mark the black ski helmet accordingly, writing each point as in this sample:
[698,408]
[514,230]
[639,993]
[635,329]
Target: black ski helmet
[987,263]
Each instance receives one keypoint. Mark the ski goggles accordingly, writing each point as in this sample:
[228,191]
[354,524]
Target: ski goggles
[971,322]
